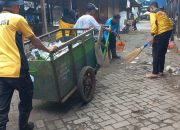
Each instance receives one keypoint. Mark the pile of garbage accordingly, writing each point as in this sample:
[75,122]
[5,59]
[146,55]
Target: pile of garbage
[37,54]
[173,70]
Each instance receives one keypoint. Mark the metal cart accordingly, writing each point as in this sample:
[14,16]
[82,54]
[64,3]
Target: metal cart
[59,78]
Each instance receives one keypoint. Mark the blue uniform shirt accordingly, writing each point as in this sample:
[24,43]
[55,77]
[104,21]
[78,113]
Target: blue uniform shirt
[114,28]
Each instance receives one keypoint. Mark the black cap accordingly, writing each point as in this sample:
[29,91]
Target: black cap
[117,16]
[91,6]
[11,2]
[154,3]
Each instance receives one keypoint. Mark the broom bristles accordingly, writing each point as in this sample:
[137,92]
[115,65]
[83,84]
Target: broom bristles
[132,55]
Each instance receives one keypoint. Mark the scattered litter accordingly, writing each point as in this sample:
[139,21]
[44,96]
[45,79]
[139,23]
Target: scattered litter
[137,58]
[177,86]
[177,72]
[173,70]
[170,69]
[146,63]
[32,78]
[139,112]
[149,63]
[133,62]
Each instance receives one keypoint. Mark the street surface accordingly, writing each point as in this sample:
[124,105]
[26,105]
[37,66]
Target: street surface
[124,99]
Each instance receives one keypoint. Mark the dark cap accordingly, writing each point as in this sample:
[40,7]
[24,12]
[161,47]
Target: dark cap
[91,6]
[117,16]
[11,2]
[154,3]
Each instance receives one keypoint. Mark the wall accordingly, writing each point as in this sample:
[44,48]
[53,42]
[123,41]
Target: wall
[107,8]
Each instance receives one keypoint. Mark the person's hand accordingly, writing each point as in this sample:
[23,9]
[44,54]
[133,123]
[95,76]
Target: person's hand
[52,49]
[118,36]
[107,29]
[150,40]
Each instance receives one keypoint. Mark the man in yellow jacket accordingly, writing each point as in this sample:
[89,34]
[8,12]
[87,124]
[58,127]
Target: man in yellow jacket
[14,70]
[67,21]
[161,31]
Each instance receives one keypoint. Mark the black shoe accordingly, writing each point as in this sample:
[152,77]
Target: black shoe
[116,57]
[30,126]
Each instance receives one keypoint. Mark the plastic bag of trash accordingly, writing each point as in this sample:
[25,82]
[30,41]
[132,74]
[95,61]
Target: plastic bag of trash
[173,70]
[170,69]
[177,72]
[37,54]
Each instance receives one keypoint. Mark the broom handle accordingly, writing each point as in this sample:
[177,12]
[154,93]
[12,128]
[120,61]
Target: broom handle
[145,44]
[106,46]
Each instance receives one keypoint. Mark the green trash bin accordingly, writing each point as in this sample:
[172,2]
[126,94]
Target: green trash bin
[58,78]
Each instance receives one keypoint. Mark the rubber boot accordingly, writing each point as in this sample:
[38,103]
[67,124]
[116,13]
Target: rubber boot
[23,122]
[114,54]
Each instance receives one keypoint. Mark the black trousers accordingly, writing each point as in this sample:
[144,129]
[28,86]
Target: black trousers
[134,25]
[159,51]
[112,41]
[24,86]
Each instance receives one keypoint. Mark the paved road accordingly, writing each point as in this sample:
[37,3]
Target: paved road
[124,99]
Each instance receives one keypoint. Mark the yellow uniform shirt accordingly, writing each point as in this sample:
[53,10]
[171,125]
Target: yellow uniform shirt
[63,24]
[13,27]
[160,23]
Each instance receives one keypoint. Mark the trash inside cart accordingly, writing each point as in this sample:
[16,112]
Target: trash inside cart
[57,76]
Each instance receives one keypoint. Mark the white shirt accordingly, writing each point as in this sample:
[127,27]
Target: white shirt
[86,21]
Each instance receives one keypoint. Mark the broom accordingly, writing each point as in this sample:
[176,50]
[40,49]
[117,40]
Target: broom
[133,54]
[98,50]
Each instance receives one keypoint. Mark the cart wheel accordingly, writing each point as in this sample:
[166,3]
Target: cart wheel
[87,83]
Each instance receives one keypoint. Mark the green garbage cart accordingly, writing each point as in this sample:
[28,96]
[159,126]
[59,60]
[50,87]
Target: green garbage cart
[67,72]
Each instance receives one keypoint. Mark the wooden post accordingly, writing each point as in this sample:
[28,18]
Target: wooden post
[44,19]
[110,8]
[178,22]
[51,12]
[70,4]
[116,7]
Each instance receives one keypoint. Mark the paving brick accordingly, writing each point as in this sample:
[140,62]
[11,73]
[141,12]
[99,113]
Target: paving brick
[108,128]
[51,126]
[177,125]
[59,124]
[167,128]
[108,122]
[81,120]
[70,118]
[122,113]
[120,124]
[40,124]
[153,127]
[104,116]
[146,128]
[62,129]
[117,117]
[151,115]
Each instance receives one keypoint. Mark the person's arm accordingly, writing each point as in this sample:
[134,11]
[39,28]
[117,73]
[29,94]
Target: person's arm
[154,27]
[94,23]
[26,31]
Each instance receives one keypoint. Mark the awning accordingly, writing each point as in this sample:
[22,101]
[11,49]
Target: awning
[135,4]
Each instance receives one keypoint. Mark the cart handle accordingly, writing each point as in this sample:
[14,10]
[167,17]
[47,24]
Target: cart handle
[67,43]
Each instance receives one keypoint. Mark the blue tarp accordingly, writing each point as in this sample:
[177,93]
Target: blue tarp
[161,3]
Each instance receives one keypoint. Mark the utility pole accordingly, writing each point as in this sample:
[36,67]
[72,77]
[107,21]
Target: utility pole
[44,19]
[178,22]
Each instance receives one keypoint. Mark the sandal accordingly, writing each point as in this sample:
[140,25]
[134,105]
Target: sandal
[151,76]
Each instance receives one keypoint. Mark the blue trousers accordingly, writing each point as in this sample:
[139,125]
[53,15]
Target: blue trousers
[24,86]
